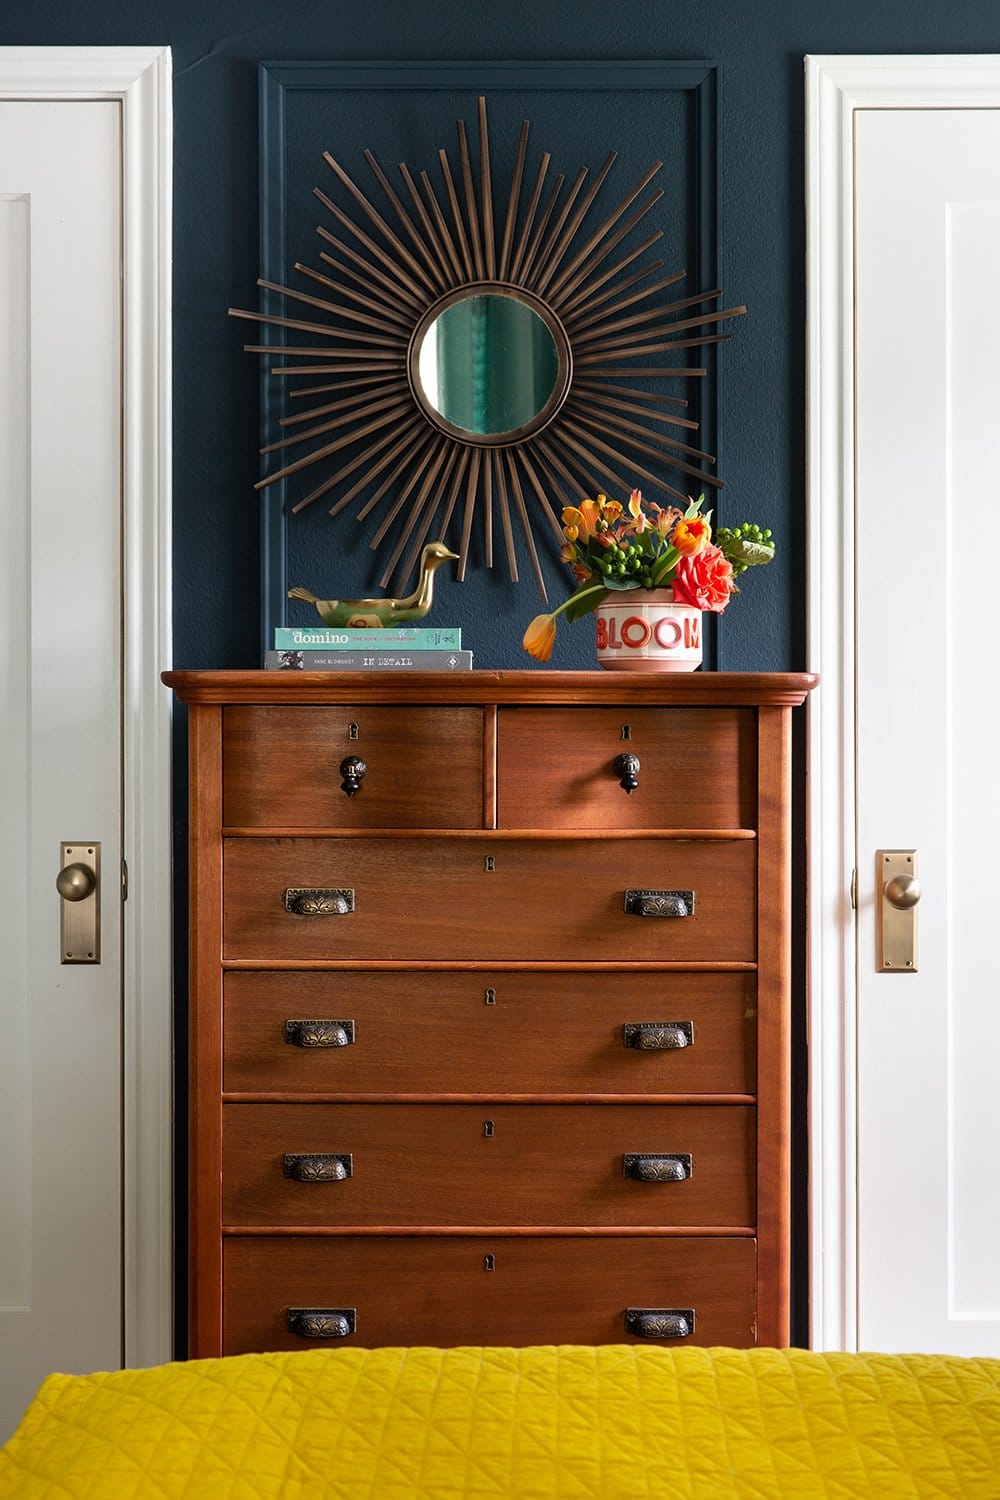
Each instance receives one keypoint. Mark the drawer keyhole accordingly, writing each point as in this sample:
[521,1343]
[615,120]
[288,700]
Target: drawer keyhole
[489,1263]
[352,731]
[487,1127]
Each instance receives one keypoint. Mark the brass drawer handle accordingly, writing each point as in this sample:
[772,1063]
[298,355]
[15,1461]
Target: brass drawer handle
[644,1166]
[658,1036]
[319,1033]
[319,903]
[627,768]
[659,903]
[318,1167]
[321,1322]
[353,770]
[659,1322]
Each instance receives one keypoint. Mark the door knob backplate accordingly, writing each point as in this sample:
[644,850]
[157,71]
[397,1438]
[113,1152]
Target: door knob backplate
[79,885]
[897,894]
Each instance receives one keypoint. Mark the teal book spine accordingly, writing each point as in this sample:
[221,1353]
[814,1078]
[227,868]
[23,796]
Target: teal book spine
[392,659]
[394,637]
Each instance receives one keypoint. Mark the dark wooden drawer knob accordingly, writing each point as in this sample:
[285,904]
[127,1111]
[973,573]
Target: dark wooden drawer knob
[321,1322]
[626,767]
[319,1033]
[645,1166]
[658,1036]
[311,902]
[305,1166]
[659,903]
[353,770]
[659,1322]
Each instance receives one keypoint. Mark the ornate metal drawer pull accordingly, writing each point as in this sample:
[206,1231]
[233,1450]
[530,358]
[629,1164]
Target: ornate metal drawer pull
[321,1322]
[659,1322]
[353,770]
[658,1036]
[627,768]
[319,903]
[319,1033]
[659,903]
[312,1167]
[644,1166]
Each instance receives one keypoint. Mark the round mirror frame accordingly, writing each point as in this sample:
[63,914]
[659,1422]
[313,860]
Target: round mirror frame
[564,369]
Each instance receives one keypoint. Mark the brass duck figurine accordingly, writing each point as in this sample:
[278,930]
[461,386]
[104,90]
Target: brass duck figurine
[375,612]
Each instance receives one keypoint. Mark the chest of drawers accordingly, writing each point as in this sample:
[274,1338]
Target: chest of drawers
[486,1047]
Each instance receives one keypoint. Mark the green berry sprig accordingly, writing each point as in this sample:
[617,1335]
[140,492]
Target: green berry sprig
[746,545]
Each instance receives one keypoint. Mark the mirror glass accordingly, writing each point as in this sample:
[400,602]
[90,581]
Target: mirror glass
[488,364]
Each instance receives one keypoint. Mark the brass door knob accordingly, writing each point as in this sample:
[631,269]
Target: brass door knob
[902,891]
[75,882]
[627,767]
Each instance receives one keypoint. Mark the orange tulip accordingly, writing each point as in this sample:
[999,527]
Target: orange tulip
[540,637]
[690,536]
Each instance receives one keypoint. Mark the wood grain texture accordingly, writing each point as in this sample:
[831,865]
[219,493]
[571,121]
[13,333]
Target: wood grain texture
[556,768]
[774,979]
[426,899]
[281,765]
[538,1164]
[437,1291]
[658,688]
[205,1030]
[490,1033]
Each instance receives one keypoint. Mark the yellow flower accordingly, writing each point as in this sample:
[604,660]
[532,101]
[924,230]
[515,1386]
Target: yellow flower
[610,511]
[637,512]
[691,536]
[540,636]
[571,532]
[590,514]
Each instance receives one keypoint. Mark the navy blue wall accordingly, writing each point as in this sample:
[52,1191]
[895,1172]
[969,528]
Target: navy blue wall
[217,45]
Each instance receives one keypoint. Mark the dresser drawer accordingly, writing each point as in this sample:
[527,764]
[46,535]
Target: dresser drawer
[486,900]
[491,1032]
[464,1164]
[281,767]
[436,1290]
[697,768]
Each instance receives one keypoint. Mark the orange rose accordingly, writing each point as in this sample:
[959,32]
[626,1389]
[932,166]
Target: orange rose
[540,636]
[691,536]
[704,581]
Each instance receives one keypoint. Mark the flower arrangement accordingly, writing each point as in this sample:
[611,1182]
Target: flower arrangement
[614,548]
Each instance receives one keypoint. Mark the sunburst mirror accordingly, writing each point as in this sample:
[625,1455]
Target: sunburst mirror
[484,363]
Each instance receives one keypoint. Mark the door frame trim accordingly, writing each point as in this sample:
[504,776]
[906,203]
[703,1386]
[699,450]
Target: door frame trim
[835,88]
[139,78]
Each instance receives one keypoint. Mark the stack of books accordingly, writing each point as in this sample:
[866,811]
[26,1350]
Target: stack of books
[392,647]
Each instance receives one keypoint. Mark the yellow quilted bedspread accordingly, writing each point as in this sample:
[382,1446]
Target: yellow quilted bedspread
[609,1423]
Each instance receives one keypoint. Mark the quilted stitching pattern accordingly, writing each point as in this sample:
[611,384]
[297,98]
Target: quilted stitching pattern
[569,1423]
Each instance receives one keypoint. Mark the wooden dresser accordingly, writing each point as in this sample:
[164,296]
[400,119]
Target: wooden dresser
[489,1045]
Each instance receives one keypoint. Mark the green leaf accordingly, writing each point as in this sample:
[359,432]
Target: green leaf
[578,607]
[666,565]
[625,585]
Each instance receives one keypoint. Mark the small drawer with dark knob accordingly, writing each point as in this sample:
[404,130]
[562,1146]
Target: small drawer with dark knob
[658,1036]
[561,767]
[321,1322]
[354,766]
[646,1166]
[309,1034]
[326,1166]
[659,1322]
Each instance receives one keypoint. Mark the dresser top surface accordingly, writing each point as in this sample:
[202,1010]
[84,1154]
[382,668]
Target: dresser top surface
[766,689]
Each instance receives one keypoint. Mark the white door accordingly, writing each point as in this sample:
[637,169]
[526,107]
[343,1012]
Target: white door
[903,233]
[61,1283]
[928,722]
